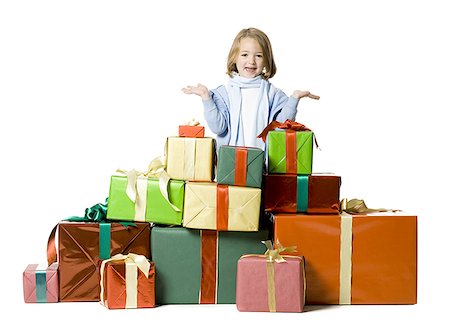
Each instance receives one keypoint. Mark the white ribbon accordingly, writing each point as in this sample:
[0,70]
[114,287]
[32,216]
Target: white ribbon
[131,275]
[345,272]
[132,263]
[137,186]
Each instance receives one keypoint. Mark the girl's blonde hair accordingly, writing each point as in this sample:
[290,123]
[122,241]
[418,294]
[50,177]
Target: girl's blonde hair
[263,41]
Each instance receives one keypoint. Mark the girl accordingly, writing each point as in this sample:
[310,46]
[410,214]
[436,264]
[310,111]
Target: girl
[239,111]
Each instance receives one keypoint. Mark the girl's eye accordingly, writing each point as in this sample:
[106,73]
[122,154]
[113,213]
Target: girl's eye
[244,54]
[259,55]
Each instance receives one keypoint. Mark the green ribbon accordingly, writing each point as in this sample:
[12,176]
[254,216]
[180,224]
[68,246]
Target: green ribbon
[104,241]
[41,285]
[97,214]
[302,193]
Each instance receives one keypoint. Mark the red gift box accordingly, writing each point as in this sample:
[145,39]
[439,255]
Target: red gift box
[192,131]
[127,281]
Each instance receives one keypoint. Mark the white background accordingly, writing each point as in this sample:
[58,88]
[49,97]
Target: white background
[87,87]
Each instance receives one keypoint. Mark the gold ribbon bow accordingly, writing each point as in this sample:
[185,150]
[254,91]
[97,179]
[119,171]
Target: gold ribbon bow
[358,206]
[156,169]
[275,254]
[134,261]
[192,122]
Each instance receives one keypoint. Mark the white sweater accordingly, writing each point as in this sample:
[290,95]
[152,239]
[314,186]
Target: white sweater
[248,114]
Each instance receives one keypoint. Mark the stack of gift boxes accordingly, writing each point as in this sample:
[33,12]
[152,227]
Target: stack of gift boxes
[179,234]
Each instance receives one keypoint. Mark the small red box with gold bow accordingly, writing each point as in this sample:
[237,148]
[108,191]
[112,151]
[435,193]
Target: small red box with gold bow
[127,281]
[191,130]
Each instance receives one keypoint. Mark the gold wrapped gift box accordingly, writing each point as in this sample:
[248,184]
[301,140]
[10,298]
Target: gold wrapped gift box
[191,158]
[221,207]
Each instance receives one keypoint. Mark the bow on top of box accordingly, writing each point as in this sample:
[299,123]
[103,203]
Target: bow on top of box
[156,169]
[358,206]
[288,125]
[274,254]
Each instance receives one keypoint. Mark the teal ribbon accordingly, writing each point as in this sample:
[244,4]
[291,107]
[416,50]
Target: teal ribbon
[41,285]
[302,193]
[105,241]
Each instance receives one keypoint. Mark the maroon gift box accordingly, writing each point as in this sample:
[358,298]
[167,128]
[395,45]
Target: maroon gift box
[313,194]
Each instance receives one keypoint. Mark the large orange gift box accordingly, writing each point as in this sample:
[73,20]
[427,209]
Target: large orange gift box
[354,259]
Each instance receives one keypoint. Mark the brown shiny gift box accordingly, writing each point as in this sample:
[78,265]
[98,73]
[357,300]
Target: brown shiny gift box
[81,247]
[312,194]
[359,259]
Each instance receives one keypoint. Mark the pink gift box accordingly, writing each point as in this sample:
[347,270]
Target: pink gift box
[40,283]
[277,287]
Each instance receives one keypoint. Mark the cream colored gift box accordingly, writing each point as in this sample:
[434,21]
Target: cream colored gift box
[191,158]
[211,206]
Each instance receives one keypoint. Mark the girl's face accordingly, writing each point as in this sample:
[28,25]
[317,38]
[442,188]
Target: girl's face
[250,60]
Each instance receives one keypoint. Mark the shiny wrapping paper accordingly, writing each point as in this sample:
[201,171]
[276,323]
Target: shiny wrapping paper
[240,166]
[81,247]
[191,158]
[157,210]
[314,194]
[290,152]
[195,266]
[381,267]
[255,285]
[193,131]
[115,286]
[40,283]
[221,207]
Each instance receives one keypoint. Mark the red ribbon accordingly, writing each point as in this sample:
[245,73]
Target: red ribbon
[291,152]
[287,125]
[209,266]
[222,208]
[240,169]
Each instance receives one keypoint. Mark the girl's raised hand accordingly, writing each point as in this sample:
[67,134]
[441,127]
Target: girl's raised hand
[301,94]
[200,90]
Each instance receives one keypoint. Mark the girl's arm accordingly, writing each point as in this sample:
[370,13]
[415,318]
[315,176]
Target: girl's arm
[215,109]
[302,94]
[286,108]
[216,114]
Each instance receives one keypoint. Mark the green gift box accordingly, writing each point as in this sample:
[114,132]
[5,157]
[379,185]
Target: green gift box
[240,166]
[290,152]
[199,266]
[157,208]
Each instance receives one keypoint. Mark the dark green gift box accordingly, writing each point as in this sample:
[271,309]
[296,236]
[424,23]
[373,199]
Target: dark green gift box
[246,162]
[199,266]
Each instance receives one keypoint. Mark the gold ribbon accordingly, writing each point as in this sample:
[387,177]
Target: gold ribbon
[273,255]
[192,122]
[358,206]
[132,263]
[137,185]
[189,157]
